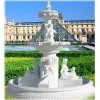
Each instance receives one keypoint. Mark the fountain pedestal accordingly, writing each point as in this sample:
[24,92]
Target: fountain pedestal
[49,72]
[49,62]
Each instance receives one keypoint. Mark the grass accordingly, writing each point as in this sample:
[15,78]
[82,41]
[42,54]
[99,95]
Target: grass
[91,77]
[18,62]
[7,97]
[91,97]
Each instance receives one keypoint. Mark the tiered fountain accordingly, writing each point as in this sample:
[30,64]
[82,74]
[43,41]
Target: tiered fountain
[42,83]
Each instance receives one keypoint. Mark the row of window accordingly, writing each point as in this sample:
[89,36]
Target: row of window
[26,29]
[33,27]
[25,32]
[24,37]
[80,30]
[28,37]
[10,31]
[92,36]
[92,25]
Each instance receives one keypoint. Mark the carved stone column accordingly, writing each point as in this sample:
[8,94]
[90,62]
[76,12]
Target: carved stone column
[49,72]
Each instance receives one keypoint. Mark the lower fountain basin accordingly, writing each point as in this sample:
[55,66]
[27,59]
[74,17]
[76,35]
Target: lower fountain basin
[79,92]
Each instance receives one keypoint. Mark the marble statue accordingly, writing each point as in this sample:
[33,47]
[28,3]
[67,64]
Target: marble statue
[46,72]
[68,73]
[49,33]
[46,32]
[64,70]
[73,74]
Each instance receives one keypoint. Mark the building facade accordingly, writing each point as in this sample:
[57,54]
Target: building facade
[81,30]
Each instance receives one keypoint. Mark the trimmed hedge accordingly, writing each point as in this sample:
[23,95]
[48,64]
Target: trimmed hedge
[16,66]
[23,54]
[76,53]
[38,54]
[16,44]
[91,44]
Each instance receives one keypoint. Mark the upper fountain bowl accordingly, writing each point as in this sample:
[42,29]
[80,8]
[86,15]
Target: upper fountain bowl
[49,14]
[49,48]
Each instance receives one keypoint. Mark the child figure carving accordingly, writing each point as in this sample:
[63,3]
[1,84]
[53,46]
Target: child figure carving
[68,73]
[46,73]
[49,33]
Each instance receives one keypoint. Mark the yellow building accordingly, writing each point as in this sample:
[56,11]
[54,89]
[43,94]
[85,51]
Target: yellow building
[20,32]
[78,28]
[24,31]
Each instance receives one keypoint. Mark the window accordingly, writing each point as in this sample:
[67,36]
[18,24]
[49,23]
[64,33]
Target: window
[10,37]
[23,37]
[16,37]
[92,30]
[72,30]
[93,36]
[77,36]
[28,37]
[16,29]
[87,35]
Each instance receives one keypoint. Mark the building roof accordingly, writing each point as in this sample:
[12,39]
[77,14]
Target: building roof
[81,21]
[28,23]
[70,21]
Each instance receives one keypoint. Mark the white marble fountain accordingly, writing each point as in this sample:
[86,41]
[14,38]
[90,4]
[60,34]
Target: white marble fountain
[42,83]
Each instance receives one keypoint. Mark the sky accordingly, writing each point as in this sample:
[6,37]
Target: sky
[27,11]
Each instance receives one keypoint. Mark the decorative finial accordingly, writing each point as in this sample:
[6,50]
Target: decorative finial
[48,5]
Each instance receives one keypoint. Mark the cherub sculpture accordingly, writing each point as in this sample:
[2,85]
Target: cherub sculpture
[49,33]
[46,73]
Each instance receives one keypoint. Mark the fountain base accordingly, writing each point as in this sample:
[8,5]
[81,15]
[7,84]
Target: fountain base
[79,92]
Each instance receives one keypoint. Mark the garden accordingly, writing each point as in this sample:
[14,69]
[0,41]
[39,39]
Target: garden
[17,62]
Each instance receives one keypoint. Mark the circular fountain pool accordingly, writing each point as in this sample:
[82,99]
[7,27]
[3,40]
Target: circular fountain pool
[79,92]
